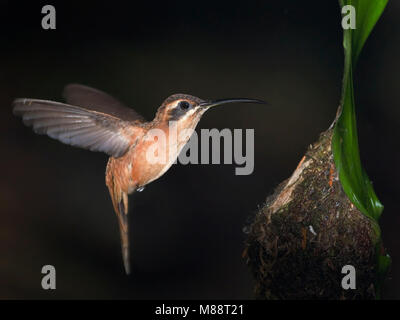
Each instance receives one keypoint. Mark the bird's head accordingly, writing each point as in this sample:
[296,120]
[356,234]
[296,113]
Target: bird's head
[188,109]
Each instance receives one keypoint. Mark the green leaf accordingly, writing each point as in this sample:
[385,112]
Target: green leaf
[367,14]
[345,147]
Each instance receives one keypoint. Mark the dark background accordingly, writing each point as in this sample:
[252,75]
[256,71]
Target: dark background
[187,235]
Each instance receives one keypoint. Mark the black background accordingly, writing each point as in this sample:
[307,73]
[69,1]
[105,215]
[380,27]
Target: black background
[186,227]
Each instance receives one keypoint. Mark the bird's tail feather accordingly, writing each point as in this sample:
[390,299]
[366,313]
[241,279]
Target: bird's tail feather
[120,202]
[124,230]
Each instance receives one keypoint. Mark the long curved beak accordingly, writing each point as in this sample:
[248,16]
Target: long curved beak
[213,103]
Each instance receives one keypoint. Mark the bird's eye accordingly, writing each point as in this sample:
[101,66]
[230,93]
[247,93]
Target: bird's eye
[184,105]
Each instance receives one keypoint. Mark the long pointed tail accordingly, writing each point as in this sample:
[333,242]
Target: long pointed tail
[120,202]
[124,230]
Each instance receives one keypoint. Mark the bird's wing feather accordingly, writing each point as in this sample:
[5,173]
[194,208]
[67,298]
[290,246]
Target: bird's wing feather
[96,100]
[77,126]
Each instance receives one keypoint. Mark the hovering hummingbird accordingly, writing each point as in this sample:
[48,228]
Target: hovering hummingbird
[96,121]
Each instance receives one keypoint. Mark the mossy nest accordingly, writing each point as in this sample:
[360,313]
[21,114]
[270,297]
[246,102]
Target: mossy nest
[307,231]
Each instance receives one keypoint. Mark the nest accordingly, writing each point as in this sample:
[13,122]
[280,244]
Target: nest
[307,231]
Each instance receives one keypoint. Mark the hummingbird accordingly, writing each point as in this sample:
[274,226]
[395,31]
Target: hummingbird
[94,120]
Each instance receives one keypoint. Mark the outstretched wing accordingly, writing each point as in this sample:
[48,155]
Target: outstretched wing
[78,126]
[96,100]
